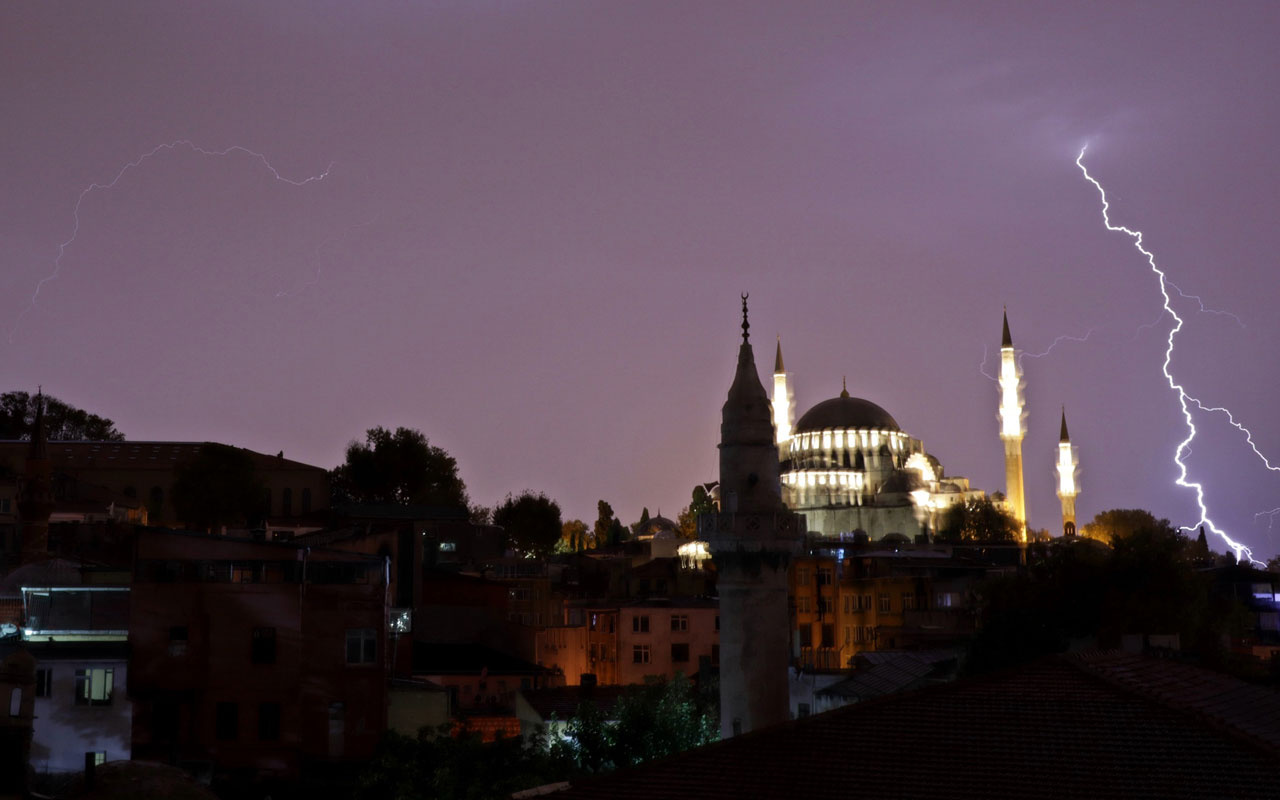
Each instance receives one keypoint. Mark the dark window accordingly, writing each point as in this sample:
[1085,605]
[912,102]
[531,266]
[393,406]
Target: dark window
[94,686]
[824,576]
[828,636]
[44,682]
[715,654]
[178,640]
[227,722]
[803,710]
[362,645]
[717,622]
[263,647]
[679,622]
[640,624]
[155,501]
[640,654]
[286,502]
[680,652]
[806,635]
[268,722]
[306,501]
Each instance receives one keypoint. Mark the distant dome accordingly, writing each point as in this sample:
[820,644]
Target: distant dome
[846,412]
[903,481]
[661,527]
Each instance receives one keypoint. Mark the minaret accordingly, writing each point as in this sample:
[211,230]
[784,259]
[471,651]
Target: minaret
[783,401]
[1011,428]
[752,539]
[35,499]
[1067,488]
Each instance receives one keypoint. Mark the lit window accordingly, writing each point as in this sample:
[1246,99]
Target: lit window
[94,686]
[362,645]
[98,757]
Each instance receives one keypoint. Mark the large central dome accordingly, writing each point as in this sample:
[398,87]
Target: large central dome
[846,412]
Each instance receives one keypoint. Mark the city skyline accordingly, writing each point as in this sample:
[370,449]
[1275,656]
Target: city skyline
[533,225]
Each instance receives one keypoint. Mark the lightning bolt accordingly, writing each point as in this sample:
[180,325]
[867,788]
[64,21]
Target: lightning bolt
[134,164]
[1066,337]
[315,257]
[1185,400]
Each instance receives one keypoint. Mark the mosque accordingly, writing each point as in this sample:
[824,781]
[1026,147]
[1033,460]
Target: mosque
[854,473]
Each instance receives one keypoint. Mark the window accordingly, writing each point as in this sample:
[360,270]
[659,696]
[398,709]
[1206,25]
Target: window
[96,757]
[802,576]
[866,602]
[806,636]
[803,604]
[715,654]
[828,636]
[886,603]
[15,701]
[848,603]
[680,653]
[306,501]
[826,605]
[94,686]
[803,710]
[869,634]
[262,649]
[857,634]
[848,635]
[44,682]
[227,722]
[268,722]
[640,654]
[908,601]
[824,576]
[717,623]
[362,645]
[286,503]
[178,640]
[640,624]
[5,505]
[680,622]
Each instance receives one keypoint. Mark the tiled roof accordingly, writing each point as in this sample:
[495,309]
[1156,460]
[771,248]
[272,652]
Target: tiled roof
[137,455]
[1052,729]
[879,674]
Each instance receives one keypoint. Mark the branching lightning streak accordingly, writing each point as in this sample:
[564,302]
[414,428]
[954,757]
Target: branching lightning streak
[137,162]
[315,257]
[1066,337]
[1184,400]
[1271,515]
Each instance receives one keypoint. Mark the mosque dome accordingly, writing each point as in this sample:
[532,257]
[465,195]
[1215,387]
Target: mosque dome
[845,412]
[661,528]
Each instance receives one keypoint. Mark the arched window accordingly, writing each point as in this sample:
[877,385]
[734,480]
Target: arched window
[286,502]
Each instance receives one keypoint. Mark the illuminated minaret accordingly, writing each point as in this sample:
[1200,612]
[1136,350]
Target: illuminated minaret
[1011,428]
[1067,489]
[783,401]
[752,538]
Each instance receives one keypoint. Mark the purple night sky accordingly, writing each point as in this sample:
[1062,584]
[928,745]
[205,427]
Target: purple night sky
[540,216]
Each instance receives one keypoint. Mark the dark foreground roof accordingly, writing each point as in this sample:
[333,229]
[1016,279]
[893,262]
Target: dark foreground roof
[1055,728]
[465,658]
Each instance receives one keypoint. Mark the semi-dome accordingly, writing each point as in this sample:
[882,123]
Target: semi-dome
[846,412]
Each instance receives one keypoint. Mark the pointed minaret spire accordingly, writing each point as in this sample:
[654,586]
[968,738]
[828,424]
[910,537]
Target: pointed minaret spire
[1067,488]
[783,403]
[746,326]
[844,385]
[1011,430]
[39,449]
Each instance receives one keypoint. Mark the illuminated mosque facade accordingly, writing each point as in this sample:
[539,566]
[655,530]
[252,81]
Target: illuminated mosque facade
[851,470]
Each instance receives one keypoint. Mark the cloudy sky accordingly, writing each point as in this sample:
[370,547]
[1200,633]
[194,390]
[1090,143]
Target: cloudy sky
[533,220]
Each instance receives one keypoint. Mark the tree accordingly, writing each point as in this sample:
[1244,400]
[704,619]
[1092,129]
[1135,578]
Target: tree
[218,486]
[573,536]
[62,422]
[655,720]
[639,526]
[702,503]
[401,468]
[532,522]
[1118,523]
[978,520]
[604,523]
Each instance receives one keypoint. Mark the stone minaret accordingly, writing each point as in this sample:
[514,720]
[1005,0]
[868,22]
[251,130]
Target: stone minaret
[35,499]
[1067,488]
[783,401]
[752,539]
[1011,428]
